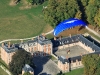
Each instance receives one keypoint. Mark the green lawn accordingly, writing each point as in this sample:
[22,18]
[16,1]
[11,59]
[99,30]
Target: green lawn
[75,72]
[52,58]
[2,72]
[3,63]
[17,23]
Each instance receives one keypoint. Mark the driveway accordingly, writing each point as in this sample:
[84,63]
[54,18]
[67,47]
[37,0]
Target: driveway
[45,66]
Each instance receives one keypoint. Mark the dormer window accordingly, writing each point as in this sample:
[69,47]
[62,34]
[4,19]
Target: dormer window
[67,41]
[60,42]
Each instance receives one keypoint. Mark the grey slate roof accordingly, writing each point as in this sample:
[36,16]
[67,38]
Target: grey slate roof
[89,43]
[13,48]
[77,38]
[27,68]
[43,42]
[29,43]
[63,59]
[40,39]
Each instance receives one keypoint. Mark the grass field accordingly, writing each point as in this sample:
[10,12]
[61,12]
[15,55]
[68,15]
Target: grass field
[24,23]
[2,72]
[75,72]
[3,63]
[17,23]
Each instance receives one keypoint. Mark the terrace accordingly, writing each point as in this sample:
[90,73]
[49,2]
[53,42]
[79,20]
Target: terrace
[74,51]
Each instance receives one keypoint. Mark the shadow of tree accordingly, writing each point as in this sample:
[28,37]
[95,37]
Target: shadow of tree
[39,62]
[82,27]
[44,74]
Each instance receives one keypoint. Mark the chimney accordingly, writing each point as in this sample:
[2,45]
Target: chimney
[99,55]
[81,54]
[60,37]
[54,38]
[2,44]
[9,44]
[43,34]
[76,60]
[38,37]
[71,61]
[66,57]
[32,38]
[21,41]
[70,35]
[77,31]
[84,52]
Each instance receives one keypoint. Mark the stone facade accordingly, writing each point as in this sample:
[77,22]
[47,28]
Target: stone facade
[7,51]
[39,46]
[66,64]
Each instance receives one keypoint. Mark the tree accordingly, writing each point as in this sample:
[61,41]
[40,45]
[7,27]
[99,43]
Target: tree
[38,1]
[97,20]
[84,2]
[29,2]
[16,1]
[78,15]
[19,59]
[58,11]
[91,9]
[27,73]
[50,12]
[91,64]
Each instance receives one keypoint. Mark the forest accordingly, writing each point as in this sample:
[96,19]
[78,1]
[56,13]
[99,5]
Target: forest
[87,10]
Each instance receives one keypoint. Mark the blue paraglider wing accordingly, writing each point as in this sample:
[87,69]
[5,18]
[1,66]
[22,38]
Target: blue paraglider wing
[66,24]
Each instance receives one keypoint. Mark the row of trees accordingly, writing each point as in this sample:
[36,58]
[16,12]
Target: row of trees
[58,10]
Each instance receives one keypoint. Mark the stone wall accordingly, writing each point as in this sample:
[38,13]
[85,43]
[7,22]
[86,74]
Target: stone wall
[75,64]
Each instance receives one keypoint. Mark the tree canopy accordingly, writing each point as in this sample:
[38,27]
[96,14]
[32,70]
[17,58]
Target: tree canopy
[58,10]
[19,59]
[91,64]
[91,10]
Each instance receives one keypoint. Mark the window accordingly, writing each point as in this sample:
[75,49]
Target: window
[79,62]
[66,67]
[76,63]
[71,64]
[29,49]
[67,41]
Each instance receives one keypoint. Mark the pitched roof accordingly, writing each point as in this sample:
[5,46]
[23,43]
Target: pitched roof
[27,68]
[64,60]
[76,38]
[40,39]
[10,49]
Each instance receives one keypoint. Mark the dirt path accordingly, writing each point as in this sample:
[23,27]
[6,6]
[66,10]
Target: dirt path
[94,32]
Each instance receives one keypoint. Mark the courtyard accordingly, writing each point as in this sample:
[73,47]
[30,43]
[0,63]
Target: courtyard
[71,51]
[45,66]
